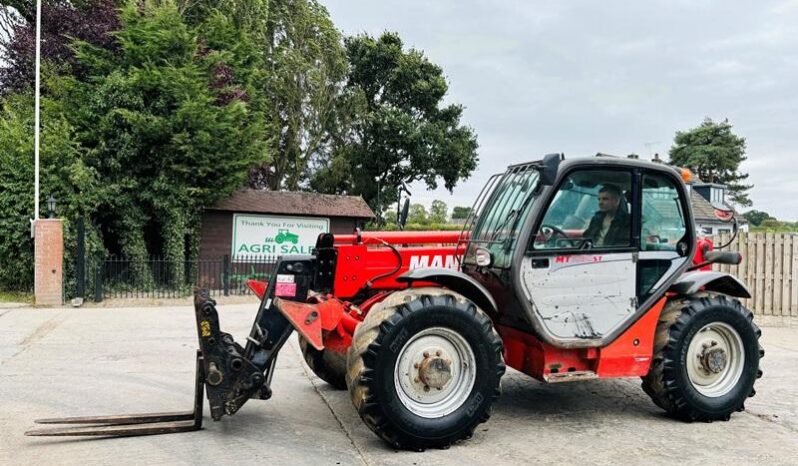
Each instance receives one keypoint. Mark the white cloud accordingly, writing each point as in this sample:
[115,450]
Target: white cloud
[581,77]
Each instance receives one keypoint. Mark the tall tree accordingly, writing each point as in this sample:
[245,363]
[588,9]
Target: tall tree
[307,66]
[91,21]
[714,153]
[756,217]
[170,122]
[417,214]
[438,212]
[403,132]
[460,212]
[64,176]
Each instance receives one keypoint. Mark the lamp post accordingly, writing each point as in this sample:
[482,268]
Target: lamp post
[36,110]
[51,207]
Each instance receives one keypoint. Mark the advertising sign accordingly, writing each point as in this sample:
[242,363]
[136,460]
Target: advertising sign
[263,236]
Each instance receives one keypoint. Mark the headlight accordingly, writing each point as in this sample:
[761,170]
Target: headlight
[483,257]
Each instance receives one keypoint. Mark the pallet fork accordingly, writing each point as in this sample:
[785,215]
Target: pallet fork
[228,373]
[130,425]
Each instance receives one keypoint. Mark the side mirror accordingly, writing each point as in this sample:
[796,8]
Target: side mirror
[403,214]
[551,164]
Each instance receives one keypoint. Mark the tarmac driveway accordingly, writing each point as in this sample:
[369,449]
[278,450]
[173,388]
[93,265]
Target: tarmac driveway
[63,362]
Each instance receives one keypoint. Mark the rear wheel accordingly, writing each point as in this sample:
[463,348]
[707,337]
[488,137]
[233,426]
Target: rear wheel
[328,365]
[706,358]
[424,368]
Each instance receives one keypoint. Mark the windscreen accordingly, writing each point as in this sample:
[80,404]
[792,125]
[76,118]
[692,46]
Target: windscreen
[496,227]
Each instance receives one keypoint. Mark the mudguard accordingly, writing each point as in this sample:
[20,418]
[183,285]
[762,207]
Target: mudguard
[693,282]
[455,281]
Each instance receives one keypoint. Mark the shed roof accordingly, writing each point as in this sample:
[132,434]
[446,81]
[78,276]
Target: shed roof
[295,203]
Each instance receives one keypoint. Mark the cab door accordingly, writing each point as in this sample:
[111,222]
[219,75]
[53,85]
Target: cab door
[665,238]
[579,272]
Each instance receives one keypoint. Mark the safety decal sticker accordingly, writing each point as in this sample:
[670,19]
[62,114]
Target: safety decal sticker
[582,259]
[287,290]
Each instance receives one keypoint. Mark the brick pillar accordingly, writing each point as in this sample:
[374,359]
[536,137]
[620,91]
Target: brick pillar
[49,262]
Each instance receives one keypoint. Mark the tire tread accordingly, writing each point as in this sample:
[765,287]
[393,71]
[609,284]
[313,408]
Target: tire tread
[365,349]
[660,383]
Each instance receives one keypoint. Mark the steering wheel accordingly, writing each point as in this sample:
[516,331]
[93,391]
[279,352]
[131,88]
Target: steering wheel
[551,233]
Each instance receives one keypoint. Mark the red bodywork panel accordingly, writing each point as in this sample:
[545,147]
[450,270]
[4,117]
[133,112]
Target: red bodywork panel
[703,246]
[628,356]
[328,322]
[323,315]
[366,256]
[363,257]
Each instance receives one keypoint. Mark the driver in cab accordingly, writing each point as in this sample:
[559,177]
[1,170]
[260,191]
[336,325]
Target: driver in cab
[610,226]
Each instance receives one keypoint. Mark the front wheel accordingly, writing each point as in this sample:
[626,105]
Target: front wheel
[706,358]
[424,368]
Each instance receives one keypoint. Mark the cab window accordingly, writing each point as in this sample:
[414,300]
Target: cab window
[590,210]
[663,219]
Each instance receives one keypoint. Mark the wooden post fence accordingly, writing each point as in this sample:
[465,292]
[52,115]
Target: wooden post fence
[770,271]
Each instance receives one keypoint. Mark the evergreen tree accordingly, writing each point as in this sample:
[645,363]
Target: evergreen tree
[170,122]
[714,153]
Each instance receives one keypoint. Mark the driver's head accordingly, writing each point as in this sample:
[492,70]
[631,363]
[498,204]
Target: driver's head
[609,198]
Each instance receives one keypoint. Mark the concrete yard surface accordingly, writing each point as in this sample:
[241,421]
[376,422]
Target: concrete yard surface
[71,362]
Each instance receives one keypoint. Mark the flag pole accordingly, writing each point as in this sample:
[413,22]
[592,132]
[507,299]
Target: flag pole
[36,111]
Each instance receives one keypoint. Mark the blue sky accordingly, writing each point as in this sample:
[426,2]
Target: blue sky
[582,77]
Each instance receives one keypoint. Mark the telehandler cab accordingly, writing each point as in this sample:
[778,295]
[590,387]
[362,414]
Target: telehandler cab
[567,270]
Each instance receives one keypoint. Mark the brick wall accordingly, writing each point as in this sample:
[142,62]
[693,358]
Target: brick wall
[49,258]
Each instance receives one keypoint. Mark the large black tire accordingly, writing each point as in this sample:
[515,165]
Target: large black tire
[374,357]
[329,366]
[668,381]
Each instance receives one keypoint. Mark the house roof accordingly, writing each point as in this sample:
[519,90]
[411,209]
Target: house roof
[295,203]
[714,185]
[705,213]
[702,208]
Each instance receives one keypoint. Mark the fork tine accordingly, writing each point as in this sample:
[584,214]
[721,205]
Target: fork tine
[129,425]
[121,419]
[127,430]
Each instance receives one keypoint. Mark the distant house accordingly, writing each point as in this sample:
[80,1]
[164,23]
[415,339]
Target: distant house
[259,224]
[702,197]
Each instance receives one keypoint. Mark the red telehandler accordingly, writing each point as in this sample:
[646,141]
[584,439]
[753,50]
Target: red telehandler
[567,270]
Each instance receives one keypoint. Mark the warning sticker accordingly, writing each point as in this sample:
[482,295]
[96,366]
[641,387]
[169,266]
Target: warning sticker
[582,259]
[285,278]
[285,289]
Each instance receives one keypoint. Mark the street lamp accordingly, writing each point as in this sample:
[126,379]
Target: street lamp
[51,207]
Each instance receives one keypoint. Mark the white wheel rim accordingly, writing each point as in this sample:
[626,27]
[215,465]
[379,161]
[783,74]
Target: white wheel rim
[433,401]
[715,359]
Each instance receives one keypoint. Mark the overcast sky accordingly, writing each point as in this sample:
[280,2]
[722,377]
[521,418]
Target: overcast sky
[582,77]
